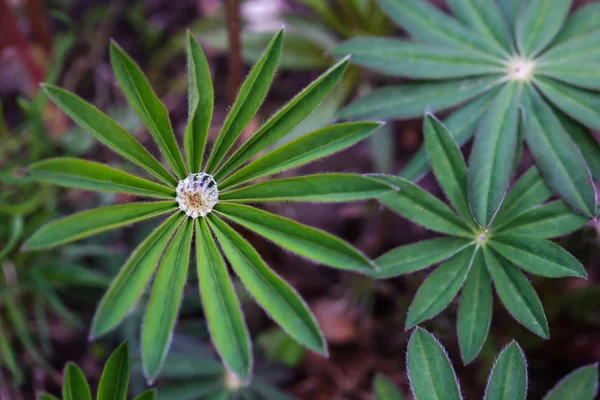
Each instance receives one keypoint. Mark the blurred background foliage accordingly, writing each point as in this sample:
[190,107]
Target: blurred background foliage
[47,298]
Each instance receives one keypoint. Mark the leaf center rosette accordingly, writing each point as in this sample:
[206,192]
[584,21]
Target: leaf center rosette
[197,195]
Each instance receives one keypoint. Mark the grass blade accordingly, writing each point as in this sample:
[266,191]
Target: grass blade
[313,146]
[226,324]
[88,223]
[163,306]
[537,24]
[107,132]
[147,105]
[278,299]
[303,240]
[89,175]
[115,377]
[200,104]
[508,379]
[581,384]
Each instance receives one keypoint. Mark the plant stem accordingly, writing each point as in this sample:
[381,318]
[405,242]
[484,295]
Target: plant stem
[235,58]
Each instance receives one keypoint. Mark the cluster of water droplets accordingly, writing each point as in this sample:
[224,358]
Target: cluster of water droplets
[197,195]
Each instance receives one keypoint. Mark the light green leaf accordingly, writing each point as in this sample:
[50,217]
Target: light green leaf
[163,306]
[485,17]
[475,310]
[75,387]
[115,377]
[425,22]
[128,286]
[420,207]
[89,175]
[313,146]
[147,105]
[147,395]
[517,294]
[414,257]
[582,105]
[425,353]
[88,223]
[306,241]
[581,384]
[440,287]
[417,60]
[107,131]
[448,164]
[200,104]
[585,20]
[537,24]
[249,99]
[278,299]
[385,389]
[529,191]
[508,379]
[585,140]
[461,124]
[226,324]
[411,100]
[286,119]
[546,221]
[538,256]
[560,162]
[491,162]
[319,188]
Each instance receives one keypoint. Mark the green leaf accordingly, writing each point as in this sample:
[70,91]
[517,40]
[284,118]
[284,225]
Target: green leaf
[585,20]
[8,356]
[16,230]
[448,164]
[107,131]
[226,324]
[200,104]
[485,17]
[163,306]
[475,310]
[411,100]
[115,377]
[385,389]
[147,395]
[581,105]
[319,188]
[538,256]
[440,287]
[414,257]
[313,146]
[280,124]
[249,99]
[537,24]
[47,396]
[510,10]
[508,379]
[306,241]
[89,175]
[461,124]
[491,162]
[529,191]
[19,322]
[425,22]
[562,165]
[128,286]
[426,354]
[546,221]
[581,384]
[410,59]
[420,207]
[75,386]
[517,294]
[88,223]
[147,105]
[278,299]
[585,140]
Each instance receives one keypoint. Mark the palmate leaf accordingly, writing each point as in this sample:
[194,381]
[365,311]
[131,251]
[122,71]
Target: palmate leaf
[508,379]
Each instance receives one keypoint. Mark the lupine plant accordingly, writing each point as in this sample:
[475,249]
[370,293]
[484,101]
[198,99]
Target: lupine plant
[518,71]
[515,239]
[207,193]
[507,380]
[113,383]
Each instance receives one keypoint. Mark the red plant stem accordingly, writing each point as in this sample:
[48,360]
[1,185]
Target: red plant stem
[11,32]
[39,25]
[235,58]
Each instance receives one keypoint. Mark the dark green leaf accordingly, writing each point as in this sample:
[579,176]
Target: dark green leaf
[537,24]
[529,191]
[115,377]
[581,384]
[147,395]
[16,230]
[9,358]
[585,140]
[385,389]
[508,379]
[46,396]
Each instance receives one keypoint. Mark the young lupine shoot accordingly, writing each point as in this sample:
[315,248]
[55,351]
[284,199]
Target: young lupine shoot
[474,257]
[507,379]
[516,74]
[205,198]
